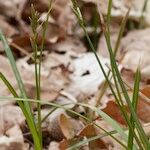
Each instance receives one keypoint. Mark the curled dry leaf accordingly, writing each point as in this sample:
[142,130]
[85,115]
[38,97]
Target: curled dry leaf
[87,132]
[143,110]
[61,127]
[90,131]
[113,111]
[54,127]
[66,127]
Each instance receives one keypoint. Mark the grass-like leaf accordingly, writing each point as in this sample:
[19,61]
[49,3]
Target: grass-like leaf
[25,112]
[134,103]
[14,68]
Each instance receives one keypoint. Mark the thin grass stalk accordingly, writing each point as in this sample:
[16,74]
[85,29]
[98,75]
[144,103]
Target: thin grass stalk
[108,20]
[134,103]
[114,65]
[35,24]
[121,31]
[80,19]
[39,68]
[121,105]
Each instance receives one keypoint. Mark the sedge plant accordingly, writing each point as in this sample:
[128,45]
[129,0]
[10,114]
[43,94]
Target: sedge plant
[136,139]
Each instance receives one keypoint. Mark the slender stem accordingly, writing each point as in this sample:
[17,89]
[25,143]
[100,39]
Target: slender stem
[38,69]
[134,103]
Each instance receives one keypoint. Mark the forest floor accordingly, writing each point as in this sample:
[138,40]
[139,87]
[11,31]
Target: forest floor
[70,72]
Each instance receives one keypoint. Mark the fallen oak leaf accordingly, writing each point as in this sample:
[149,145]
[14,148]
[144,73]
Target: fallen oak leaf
[90,131]
[112,109]
[143,108]
[64,144]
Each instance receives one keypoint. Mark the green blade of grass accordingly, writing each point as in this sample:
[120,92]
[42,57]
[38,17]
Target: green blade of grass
[9,86]
[140,130]
[134,103]
[26,105]
[108,20]
[34,25]
[38,58]
[120,103]
[48,114]
[39,67]
[26,114]
[121,31]
[15,70]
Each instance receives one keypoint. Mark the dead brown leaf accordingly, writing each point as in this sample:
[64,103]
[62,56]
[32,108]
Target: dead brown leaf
[90,131]
[66,127]
[113,111]
[136,52]
[143,109]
